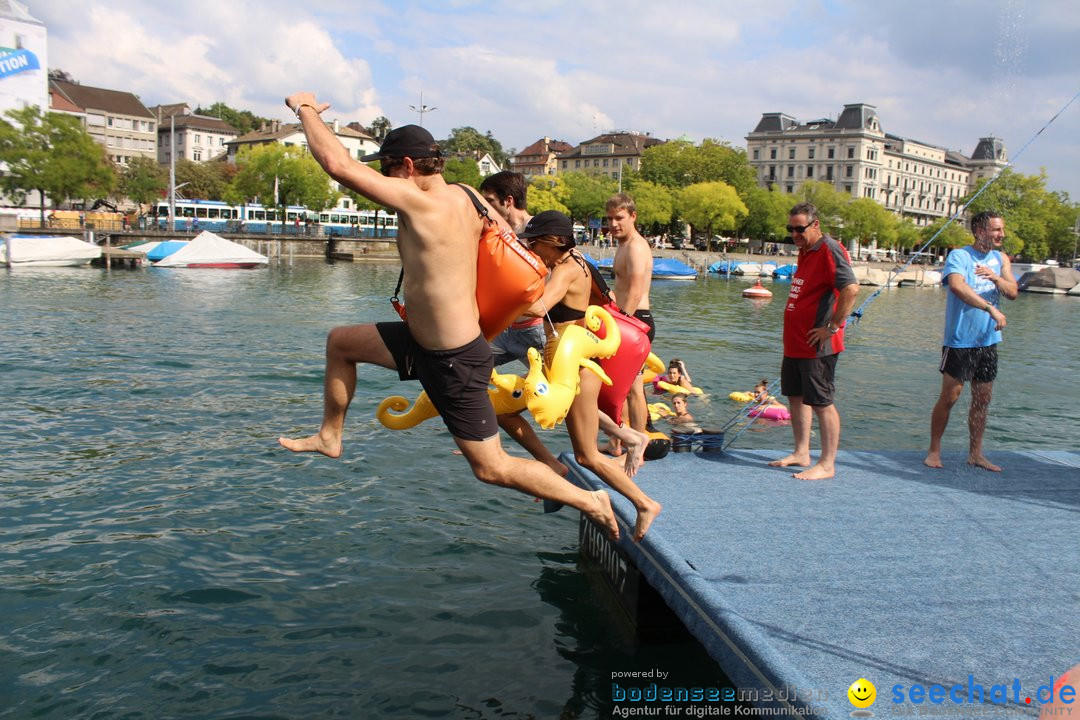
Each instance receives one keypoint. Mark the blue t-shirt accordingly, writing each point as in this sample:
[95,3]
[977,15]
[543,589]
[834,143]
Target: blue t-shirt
[967,326]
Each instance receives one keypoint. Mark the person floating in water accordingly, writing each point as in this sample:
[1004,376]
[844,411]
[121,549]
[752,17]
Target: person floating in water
[442,344]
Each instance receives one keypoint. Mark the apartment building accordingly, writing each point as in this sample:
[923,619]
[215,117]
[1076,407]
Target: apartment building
[913,179]
[198,138]
[540,157]
[607,154]
[116,119]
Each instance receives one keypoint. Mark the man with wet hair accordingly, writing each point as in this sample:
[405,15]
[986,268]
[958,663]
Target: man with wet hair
[442,344]
[977,277]
[822,295]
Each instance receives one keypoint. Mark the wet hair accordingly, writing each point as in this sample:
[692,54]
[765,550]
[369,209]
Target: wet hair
[507,184]
[681,367]
[808,209]
[620,201]
[982,220]
[563,243]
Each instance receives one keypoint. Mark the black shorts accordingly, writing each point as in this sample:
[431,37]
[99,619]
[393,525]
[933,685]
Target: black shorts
[812,379]
[970,364]
[646,317]
[456,380]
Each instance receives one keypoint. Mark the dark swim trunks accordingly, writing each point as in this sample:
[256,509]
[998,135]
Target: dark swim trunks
[646,317]
[456,380]
[978,364]
[812,379]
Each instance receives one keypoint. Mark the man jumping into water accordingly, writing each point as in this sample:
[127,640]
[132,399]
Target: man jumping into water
[441,345]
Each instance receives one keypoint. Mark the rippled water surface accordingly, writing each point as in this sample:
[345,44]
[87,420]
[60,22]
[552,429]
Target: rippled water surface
[161,557]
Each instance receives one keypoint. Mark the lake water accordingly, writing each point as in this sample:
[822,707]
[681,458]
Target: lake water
[160,556]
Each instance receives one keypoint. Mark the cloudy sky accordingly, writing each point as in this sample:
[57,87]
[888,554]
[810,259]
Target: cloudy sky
[945,72]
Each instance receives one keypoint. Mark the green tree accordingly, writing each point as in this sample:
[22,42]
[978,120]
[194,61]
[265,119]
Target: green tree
[953,236]
[379,127]
[1036,220]
[587,194]
[712,207]
[547,192]
[829,201]
[207,181]
[468,139]
[767,214]
[865,221]
[655,203]
[52,154]
[143,181]
[679,163]
[908,235]
[299,179]
[243,120]
[462,170]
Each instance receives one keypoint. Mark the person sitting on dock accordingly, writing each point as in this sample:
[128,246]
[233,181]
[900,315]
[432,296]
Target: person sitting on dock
[442,344]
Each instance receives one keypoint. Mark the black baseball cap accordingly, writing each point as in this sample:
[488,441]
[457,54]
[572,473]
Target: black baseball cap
[550,222]
[410,141]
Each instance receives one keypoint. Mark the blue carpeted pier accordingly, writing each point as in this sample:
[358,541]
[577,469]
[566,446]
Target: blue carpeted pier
[891,572]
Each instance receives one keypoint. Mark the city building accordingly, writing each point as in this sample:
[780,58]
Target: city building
[198,138]
[853,153]
[358,142]
[607,154]
[24,66]
[540,157]
[117,120]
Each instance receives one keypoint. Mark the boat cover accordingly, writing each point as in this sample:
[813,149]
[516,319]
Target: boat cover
[165,249]
[1051,279]
[210,249]
[47,250]
[671,268]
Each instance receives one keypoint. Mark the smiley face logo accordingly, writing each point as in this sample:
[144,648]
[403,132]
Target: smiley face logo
[862,693]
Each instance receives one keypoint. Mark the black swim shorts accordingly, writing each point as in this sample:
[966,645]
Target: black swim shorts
[646,317]
[812,379]
[970,364]
[456,380]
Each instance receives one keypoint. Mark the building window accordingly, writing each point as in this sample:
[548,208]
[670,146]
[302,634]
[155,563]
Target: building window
[809,171]
[851,153]
[810,153]
[577,163]
[849,171]
[847,189]
[198,138]
[791,171]
[790,189]
[772,153]
[196,155]
[757,154]
[828,173]
[831,153]
[772,172]
[791,154]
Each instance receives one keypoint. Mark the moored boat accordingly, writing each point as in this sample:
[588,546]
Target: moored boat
[208,250]
[672,269]
[46,251]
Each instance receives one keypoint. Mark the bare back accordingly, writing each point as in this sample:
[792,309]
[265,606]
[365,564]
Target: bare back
[633,273]
[438,237]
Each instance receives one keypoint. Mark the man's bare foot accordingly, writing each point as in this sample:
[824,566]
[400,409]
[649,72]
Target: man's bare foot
[315,443]
[933,460]
[602,514]
[818,472]
[792,459]
[981,461]
[645,517]
[635,454]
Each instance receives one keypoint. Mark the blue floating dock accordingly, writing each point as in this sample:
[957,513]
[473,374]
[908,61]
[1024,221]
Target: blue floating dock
[890,571]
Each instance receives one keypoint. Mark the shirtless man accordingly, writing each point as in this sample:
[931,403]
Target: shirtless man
[506,192]
[633,277]
[442,344]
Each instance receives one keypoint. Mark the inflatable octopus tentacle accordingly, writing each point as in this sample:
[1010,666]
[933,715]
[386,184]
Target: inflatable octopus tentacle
[550,394]
[420,411]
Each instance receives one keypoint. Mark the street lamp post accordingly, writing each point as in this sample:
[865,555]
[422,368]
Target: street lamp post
[172,169]
[422,108]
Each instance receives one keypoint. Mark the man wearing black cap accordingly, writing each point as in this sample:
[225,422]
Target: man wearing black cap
[442,345]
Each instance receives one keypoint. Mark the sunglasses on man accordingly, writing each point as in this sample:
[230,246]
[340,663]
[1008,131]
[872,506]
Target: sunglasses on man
[800,228]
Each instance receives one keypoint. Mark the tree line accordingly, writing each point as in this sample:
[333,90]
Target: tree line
[710,186]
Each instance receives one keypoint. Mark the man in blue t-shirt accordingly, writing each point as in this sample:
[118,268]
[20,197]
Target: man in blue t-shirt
[977,277]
